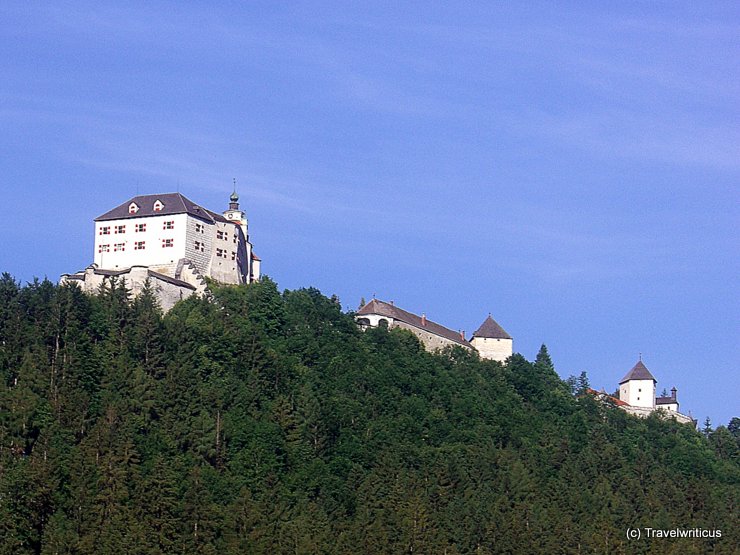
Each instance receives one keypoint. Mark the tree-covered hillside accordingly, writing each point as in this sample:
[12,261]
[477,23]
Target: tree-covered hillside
[266,422]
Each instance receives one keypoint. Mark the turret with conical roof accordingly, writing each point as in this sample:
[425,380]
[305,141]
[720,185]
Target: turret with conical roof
[491,341]
[637,388]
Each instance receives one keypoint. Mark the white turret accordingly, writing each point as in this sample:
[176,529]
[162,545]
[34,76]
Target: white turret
[233,214]
[637,388]
[491,341]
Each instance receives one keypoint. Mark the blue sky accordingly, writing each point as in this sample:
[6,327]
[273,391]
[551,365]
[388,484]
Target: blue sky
[572,168]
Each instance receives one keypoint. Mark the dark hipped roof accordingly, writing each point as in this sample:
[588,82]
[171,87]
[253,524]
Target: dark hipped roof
[390,311]
[490,329]
[174,203]
[639,372]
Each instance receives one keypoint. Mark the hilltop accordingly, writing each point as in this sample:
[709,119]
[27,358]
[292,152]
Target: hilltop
[267,422]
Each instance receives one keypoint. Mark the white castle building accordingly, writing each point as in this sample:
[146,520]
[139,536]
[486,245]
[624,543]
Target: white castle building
[637,395]
[490,339]
[174,243]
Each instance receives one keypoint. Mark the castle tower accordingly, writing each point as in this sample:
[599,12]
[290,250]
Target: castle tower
[233,214]
[637,388]
[239,217]
[491,341]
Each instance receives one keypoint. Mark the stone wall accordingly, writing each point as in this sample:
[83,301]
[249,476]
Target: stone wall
[168,289]
[198,231]
[431,341]
[222,267]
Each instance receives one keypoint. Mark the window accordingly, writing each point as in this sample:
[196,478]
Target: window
[220,253]
[139,245]
[140,228]
[233,256]
[158,206]
[200,246]
[120,229]
[199,228]
[105,230]
[219,235]
[169,224]
[119,247]
[168,243]
[133,208]
[104,248]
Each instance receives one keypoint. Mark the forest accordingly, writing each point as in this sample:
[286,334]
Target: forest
[264,421]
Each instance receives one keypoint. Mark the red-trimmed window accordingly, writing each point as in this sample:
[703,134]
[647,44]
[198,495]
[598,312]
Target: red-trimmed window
[120,229]
[139,245]
[105,230]
[168,243]
[158,206]
[104,248]
[169,224]
[133,208]
[140,228]
[119,247]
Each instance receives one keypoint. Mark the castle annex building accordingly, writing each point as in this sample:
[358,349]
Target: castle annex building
[637,395]
[174,243]
[490,339]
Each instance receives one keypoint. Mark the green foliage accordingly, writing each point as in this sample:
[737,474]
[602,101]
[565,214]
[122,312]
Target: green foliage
[266,422]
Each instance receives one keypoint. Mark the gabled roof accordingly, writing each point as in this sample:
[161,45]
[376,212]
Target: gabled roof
[390,311]
[174,203]
[490,329]
[639,372]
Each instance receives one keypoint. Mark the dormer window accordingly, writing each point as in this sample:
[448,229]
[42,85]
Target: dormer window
[158,205]
[133,208]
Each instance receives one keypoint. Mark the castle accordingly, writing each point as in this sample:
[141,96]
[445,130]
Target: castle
[173,243]
[637,395]
[636,389]
[490,339]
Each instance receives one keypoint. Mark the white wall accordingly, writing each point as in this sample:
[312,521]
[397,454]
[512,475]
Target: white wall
[493,348]
[153,254]
[638,393]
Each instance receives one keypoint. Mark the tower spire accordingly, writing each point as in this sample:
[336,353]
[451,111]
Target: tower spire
[234,199]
